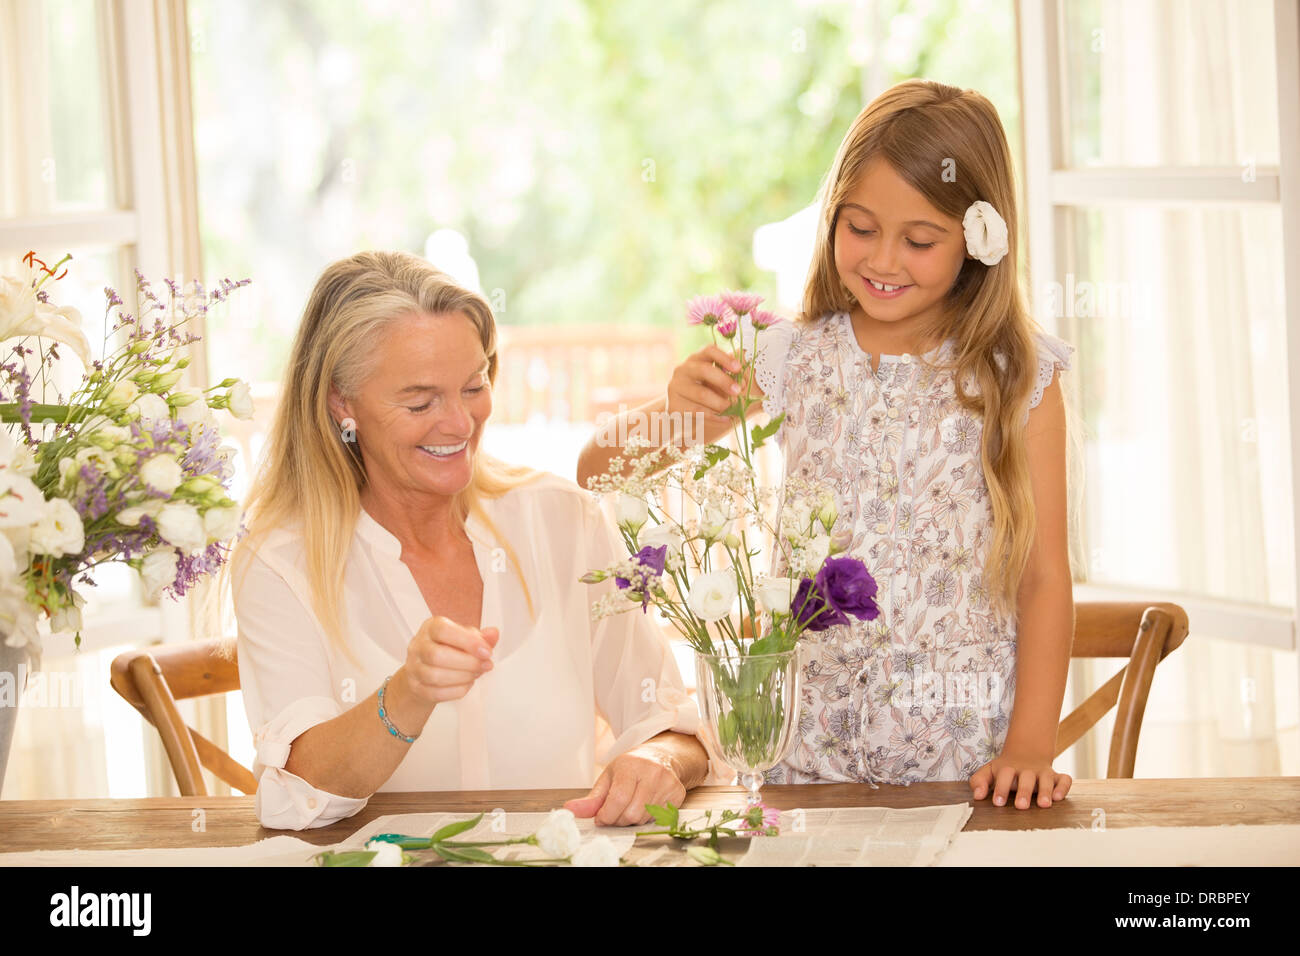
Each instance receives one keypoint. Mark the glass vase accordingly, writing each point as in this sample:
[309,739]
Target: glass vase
[749,706]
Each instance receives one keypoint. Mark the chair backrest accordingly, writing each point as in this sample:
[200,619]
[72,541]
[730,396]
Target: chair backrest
[576,373]
[1145,634]
[152,679]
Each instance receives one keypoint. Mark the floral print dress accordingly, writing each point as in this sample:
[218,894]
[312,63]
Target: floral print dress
[924,691]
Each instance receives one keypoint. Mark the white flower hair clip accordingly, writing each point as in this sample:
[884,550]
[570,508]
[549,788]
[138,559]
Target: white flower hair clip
[986,233]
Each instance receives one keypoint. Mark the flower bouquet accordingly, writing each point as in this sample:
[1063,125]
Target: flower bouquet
[129,467]
[691,531]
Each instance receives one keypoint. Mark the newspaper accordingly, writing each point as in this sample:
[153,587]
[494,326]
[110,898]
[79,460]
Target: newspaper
[859,836]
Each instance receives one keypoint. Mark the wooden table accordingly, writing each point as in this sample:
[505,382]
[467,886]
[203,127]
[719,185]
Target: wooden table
[230,821]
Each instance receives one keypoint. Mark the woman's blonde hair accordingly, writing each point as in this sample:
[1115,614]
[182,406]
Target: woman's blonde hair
[950,146]
[311,478]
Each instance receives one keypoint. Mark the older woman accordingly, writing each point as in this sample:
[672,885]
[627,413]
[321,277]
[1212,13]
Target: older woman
[409,611]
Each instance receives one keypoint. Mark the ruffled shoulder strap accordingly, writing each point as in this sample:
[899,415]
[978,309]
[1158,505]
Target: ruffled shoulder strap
[1054,355]
[769,366]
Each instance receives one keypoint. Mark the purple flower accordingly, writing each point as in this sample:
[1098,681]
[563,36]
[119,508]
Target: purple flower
[849,587]
[652,559]
[812,610]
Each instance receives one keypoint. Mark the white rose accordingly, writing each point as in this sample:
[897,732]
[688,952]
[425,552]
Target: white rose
[774,594]
[712,595]
[241,400]
[151,408]
[162,473]
[59,531]
[986,233]
[221,524]
[631,512]
[123,393]
[558,836]
[180,525]
[661,535]
[158,570]
[598,851]
[386,854]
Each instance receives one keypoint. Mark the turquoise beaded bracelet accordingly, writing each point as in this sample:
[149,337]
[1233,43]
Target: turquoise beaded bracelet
[383,715]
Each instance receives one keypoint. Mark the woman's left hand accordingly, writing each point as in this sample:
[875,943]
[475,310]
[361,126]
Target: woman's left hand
[1024,772]
[630,781]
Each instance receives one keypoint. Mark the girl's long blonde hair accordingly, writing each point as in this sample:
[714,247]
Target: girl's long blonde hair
[311,479]
[950,146]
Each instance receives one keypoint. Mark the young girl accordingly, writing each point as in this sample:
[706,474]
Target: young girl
[916,386]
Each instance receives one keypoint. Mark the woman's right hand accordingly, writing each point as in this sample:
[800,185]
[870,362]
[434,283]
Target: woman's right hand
[702,385]
[445,658]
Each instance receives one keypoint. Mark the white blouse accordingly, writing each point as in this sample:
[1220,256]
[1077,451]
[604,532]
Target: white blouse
[530,722]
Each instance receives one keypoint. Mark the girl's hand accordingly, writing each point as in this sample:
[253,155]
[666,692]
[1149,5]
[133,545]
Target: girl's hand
[1023,771]
[703,386]
[444,659]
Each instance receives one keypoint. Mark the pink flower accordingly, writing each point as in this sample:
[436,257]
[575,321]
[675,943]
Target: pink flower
[706,310]
[761,820]
[727,325]
[742,303]
[763,319]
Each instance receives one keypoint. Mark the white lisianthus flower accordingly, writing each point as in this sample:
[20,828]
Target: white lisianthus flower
[122,394]
[241,400]
[22,313]
[712,595]
[558,836]
[151,408]
[796,519]
[195,412]
[774,594]
[180,526]
[67,620]
[18,620]
[386,854]
[227,453]
[162,473]
[986,233]
[661,535]
[221,524]
[131,516]
[158,570]
[815,553]
[21,502]
[59,531]
[598,851]
[714,523]
[631,512]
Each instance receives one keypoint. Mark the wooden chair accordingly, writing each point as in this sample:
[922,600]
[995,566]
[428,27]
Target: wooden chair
[152,679]
[1143,633]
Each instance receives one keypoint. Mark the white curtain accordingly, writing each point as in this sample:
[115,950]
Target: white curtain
[1183,379]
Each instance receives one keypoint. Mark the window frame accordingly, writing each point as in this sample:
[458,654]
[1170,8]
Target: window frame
[1053,188]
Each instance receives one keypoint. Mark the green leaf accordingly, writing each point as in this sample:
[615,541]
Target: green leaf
[348,858]
[463,854]
[664,816]
[712,455]
[706,856]
[453,829]
[762,433]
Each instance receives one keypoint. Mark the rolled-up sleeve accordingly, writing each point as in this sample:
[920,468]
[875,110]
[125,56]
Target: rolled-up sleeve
[285,679]
[639,689]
